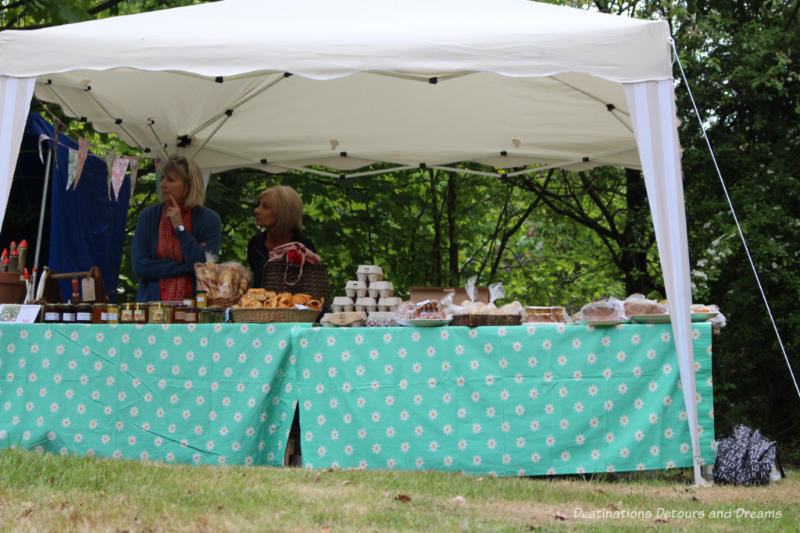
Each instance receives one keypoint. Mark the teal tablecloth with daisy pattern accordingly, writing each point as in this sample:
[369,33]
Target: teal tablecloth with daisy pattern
[205,393]
[529,400]
[524,400]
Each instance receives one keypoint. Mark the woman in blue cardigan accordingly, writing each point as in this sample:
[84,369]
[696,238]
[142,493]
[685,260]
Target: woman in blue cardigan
[174,235]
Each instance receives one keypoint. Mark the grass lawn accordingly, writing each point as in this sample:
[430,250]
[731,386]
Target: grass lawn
[42,492]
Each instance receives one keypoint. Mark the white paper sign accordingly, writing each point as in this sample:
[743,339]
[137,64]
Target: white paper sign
[20,314]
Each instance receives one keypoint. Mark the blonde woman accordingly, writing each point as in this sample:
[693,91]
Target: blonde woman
[174,235]
[280,213]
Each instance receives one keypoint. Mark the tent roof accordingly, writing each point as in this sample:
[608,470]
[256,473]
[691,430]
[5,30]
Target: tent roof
[503,82]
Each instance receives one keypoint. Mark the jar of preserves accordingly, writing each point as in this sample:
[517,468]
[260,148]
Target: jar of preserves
[178,314]
[155,313]
[202,299]
[52,313]
[83,313]
[139,314]
[112,314]
[190,315]
[126,314]
[217,314]
[68,313]
[99,313]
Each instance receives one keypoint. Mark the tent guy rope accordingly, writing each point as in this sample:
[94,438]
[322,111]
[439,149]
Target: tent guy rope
[736,220]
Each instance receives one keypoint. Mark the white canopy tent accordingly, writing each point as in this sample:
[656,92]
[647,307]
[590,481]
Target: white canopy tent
[276,85]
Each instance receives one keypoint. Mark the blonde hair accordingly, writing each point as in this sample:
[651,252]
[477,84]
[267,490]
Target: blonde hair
[287,205]
[191,176]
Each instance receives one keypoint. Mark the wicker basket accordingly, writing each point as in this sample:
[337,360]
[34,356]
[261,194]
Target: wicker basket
[486,320]
[224,302]
[278,314]
[313,281]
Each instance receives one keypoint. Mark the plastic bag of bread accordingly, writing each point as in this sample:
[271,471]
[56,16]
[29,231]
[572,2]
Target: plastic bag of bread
[424,310]
[225,280]
[637,304]
[611,309]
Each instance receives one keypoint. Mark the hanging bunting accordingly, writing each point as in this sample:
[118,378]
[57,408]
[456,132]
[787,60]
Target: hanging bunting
[134,170]
[118,174]
[83,152]
[110,157]
[72,167]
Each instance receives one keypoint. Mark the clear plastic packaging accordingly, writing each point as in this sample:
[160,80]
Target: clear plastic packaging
[611,309]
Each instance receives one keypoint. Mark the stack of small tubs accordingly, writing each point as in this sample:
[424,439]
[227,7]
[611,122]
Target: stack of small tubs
[371,294]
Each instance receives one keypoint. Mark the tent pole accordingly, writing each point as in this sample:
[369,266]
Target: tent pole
[41,214]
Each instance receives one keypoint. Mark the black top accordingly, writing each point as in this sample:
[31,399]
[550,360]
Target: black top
[258,255]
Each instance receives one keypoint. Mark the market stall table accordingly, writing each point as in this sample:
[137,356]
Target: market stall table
[521,400]
[205,393]
[527,400]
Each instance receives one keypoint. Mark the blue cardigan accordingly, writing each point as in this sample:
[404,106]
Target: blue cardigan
[150,269]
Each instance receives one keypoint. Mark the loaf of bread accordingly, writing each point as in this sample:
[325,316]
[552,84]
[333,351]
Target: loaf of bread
[603,310]
[642,306]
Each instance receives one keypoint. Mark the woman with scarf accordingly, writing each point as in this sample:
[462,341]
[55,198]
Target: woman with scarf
[174,235]
[280,213]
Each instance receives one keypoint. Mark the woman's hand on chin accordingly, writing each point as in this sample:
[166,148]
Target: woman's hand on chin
[173,212]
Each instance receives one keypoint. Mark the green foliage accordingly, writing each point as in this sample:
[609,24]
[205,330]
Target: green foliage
[741,62]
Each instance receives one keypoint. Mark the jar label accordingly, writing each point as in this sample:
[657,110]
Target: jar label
[68,317]
[112,317]
[157,315]
[52,316]
[138,315]
[190,317]
[127,315]
[84,317]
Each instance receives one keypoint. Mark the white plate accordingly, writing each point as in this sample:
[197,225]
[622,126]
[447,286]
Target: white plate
[424,322]
[702,317]
[651,319]
[602,322]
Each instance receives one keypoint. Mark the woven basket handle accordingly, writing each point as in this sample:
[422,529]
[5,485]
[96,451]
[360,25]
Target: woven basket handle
[299,274]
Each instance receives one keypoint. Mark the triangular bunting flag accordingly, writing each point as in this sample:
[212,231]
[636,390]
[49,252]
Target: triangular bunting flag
[118,174]
[72,167]
[109,158]
[134,171]
[83,152]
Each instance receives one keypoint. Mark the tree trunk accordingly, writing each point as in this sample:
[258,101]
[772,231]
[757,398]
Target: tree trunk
[451,230]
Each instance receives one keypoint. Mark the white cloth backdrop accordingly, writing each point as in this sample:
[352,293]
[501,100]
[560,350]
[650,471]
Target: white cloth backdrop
[15,96]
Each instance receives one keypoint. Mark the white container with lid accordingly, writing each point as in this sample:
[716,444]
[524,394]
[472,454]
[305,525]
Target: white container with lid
[389,304]
[342,304]
[366,304]
[369,273]
[356,289]
[381,289]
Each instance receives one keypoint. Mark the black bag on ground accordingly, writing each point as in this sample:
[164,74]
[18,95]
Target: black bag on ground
[745,457]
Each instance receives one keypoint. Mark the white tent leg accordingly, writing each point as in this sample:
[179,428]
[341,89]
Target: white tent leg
[652,107]
[15,99]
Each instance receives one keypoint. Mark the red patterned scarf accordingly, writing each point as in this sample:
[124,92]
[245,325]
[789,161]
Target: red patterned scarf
[170,248]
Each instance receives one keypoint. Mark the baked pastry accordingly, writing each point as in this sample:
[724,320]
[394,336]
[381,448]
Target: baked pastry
[428,309]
